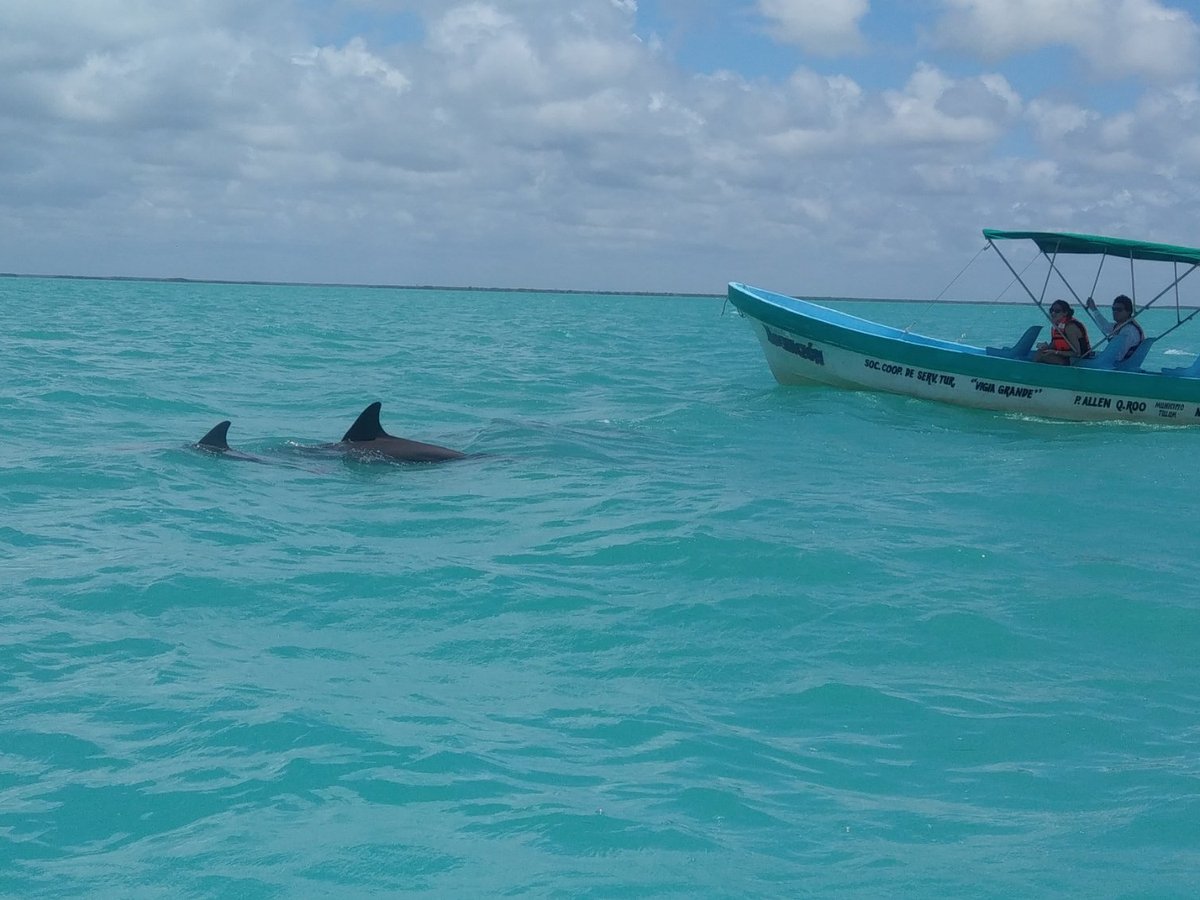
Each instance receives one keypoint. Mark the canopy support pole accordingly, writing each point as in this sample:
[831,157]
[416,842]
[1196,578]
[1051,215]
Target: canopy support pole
[1174,285]
[1018,278]
[1067,284]
[1092,296]
[1133,281]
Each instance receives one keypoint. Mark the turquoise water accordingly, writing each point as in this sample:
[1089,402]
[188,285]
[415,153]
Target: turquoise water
[672,631]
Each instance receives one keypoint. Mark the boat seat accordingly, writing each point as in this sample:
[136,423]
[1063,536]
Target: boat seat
[1192,371]
[1019,350]
[1139,356]
[1107,358]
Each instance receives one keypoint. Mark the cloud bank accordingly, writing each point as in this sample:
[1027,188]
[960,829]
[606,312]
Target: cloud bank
[509,143]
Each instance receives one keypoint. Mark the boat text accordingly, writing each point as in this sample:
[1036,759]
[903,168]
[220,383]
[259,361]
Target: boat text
[1005,390]
[906,372]
[804,351]
[1169,410]
[1124,406]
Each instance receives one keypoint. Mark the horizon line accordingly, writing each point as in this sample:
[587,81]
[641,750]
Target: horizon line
[508,290]
[162,279]
[346,284]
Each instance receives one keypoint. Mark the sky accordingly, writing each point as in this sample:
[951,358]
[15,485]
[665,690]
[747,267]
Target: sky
[823,147]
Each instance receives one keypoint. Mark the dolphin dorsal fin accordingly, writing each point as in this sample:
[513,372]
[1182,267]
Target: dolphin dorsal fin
[366,427]
[216,439]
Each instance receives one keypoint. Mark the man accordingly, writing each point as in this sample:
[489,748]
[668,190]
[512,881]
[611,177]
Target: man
[1123,332]
[1068,338]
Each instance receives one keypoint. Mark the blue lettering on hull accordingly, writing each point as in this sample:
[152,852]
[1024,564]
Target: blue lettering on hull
[804,351]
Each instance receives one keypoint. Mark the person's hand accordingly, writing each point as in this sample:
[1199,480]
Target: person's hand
[1091,304]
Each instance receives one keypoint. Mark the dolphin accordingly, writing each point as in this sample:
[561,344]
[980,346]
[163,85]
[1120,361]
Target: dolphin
[366,437]
[217,441]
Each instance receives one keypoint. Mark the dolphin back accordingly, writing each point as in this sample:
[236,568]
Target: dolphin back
[366,427]
[367,436]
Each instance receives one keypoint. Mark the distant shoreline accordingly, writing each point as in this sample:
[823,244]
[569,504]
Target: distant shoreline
[340,284]
[436,287]
[501,290]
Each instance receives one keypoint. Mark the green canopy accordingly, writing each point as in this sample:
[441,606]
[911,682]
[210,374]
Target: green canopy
[1051,242]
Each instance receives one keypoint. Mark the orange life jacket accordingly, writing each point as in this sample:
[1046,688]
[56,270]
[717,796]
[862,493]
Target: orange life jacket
[1058,338]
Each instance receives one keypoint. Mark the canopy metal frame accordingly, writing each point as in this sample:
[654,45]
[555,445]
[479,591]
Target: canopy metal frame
[1050,244]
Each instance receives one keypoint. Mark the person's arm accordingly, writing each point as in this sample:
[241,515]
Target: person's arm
[1101,320]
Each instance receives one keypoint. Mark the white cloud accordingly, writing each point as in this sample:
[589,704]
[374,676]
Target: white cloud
[935,109]
[1156,135]
[464,29]
[1118,38]
[1055,123]
[355,60]
[821,27]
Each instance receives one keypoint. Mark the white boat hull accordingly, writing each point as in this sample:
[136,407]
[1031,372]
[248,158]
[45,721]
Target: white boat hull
[807,343]
[795,360]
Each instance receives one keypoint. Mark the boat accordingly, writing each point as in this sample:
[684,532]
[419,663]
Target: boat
[807,343]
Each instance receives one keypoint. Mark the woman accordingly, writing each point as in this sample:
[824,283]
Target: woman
[1068,338]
